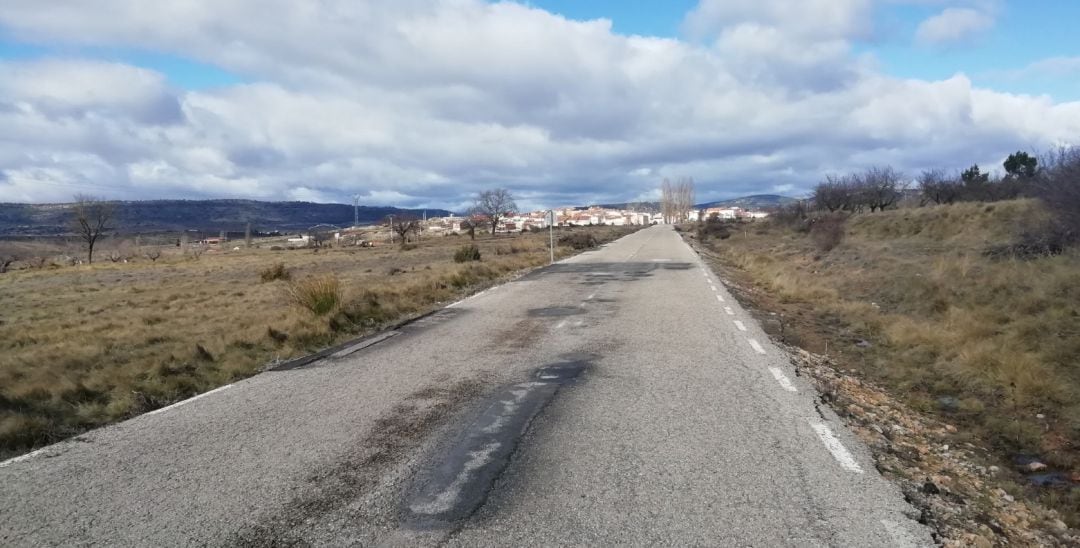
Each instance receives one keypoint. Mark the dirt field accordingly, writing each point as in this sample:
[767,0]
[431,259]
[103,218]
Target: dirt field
[88,345]
[909,299]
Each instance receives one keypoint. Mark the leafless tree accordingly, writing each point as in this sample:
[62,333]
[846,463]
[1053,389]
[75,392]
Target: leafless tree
[404,225]
[677,199]
[835,193]
[92,218]
[937,187]
[1058,186]
[880,187]
[494,204]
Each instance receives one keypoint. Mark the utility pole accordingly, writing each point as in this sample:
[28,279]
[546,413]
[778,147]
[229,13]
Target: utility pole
[391,228]
[356,209]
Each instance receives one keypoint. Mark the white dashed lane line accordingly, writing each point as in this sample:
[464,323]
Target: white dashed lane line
[720,298]
[729,311]
[839,452]
[781,378]
[757,346]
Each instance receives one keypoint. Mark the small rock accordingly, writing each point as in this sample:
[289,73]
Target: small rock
[930,488]
[1034,466]
[1040,416]
[950,428]
[948,403]
[944,447]
[1058,525]
[863,343]
[994,469]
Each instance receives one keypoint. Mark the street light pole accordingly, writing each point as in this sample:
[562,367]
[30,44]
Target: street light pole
[391,228]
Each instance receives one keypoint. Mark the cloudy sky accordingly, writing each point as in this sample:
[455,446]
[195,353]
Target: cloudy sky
[423,102]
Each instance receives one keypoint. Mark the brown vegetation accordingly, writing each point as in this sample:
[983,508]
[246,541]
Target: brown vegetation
[89,345]
[911,300]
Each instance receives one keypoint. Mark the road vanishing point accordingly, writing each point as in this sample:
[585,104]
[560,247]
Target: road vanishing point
[619,397]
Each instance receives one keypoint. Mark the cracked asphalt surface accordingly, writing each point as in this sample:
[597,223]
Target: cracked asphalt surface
[675,429]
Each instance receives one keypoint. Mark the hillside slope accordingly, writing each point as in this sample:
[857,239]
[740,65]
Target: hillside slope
[203,215]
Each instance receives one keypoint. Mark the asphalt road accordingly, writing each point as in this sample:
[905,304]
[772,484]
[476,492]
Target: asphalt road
[618,397]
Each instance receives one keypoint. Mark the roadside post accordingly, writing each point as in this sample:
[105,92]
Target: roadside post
[551,232]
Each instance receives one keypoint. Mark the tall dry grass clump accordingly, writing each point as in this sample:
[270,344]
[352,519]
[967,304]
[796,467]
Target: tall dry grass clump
[319,295]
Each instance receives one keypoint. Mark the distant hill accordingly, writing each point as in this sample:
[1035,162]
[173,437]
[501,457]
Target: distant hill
[201,215]
[757,201]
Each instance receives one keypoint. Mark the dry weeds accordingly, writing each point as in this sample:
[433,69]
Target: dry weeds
[88,345]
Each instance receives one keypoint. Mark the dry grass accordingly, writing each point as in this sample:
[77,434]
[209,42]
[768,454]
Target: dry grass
[992,345]
[89,345]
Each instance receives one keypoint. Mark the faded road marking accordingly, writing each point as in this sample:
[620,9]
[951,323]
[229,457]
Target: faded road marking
[839,452]
[712,287]
[729,311]
[560,325]
[189,400]
[781,378]
[757,346]
[720,298]
[739,325]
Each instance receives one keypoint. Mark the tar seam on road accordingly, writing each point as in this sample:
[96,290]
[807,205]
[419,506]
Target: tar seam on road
[839,452]
[187,401]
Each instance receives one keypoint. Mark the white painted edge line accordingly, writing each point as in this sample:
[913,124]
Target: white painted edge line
[712,287]
[739,325]
[757,346]
[579,323]
[560,325]
[729,311]
[21,458]
[720,298]
[187,401]
[364,344]
[839,452]
[781,378]
[591,297]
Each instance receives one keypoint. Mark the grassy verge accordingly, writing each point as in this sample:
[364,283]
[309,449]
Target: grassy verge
[910,300]
[90,345]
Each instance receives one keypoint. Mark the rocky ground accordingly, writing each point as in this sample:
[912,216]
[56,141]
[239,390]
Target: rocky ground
[956,493]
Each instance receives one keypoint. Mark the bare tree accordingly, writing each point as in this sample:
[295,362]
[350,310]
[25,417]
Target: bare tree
[835,193]
[494,204]
[881,187]
[92,218]
[677,199]
[404,226]
[938,187]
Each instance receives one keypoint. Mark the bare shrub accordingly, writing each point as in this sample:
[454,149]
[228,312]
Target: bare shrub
[1059,189]
[579,240]
[153,254]
[939,188]
[713,228]
[828,231]
[467,253]
[277,271]
[318,295]
[5,262]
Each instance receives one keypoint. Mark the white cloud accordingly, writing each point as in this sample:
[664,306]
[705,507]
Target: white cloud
[423,102]
[953,26]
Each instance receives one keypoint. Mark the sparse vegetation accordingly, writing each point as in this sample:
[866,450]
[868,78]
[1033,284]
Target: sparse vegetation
[467,253]
[60,375]
[827,231]
[276,271]
[912,301]
[319,295]
[579,240]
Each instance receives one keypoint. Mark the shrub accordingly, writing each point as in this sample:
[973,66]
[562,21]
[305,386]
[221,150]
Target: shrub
[1059,189]
[275,272]
[320,295]
[467,253]
[828,231]
[713,228]
[579,240]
